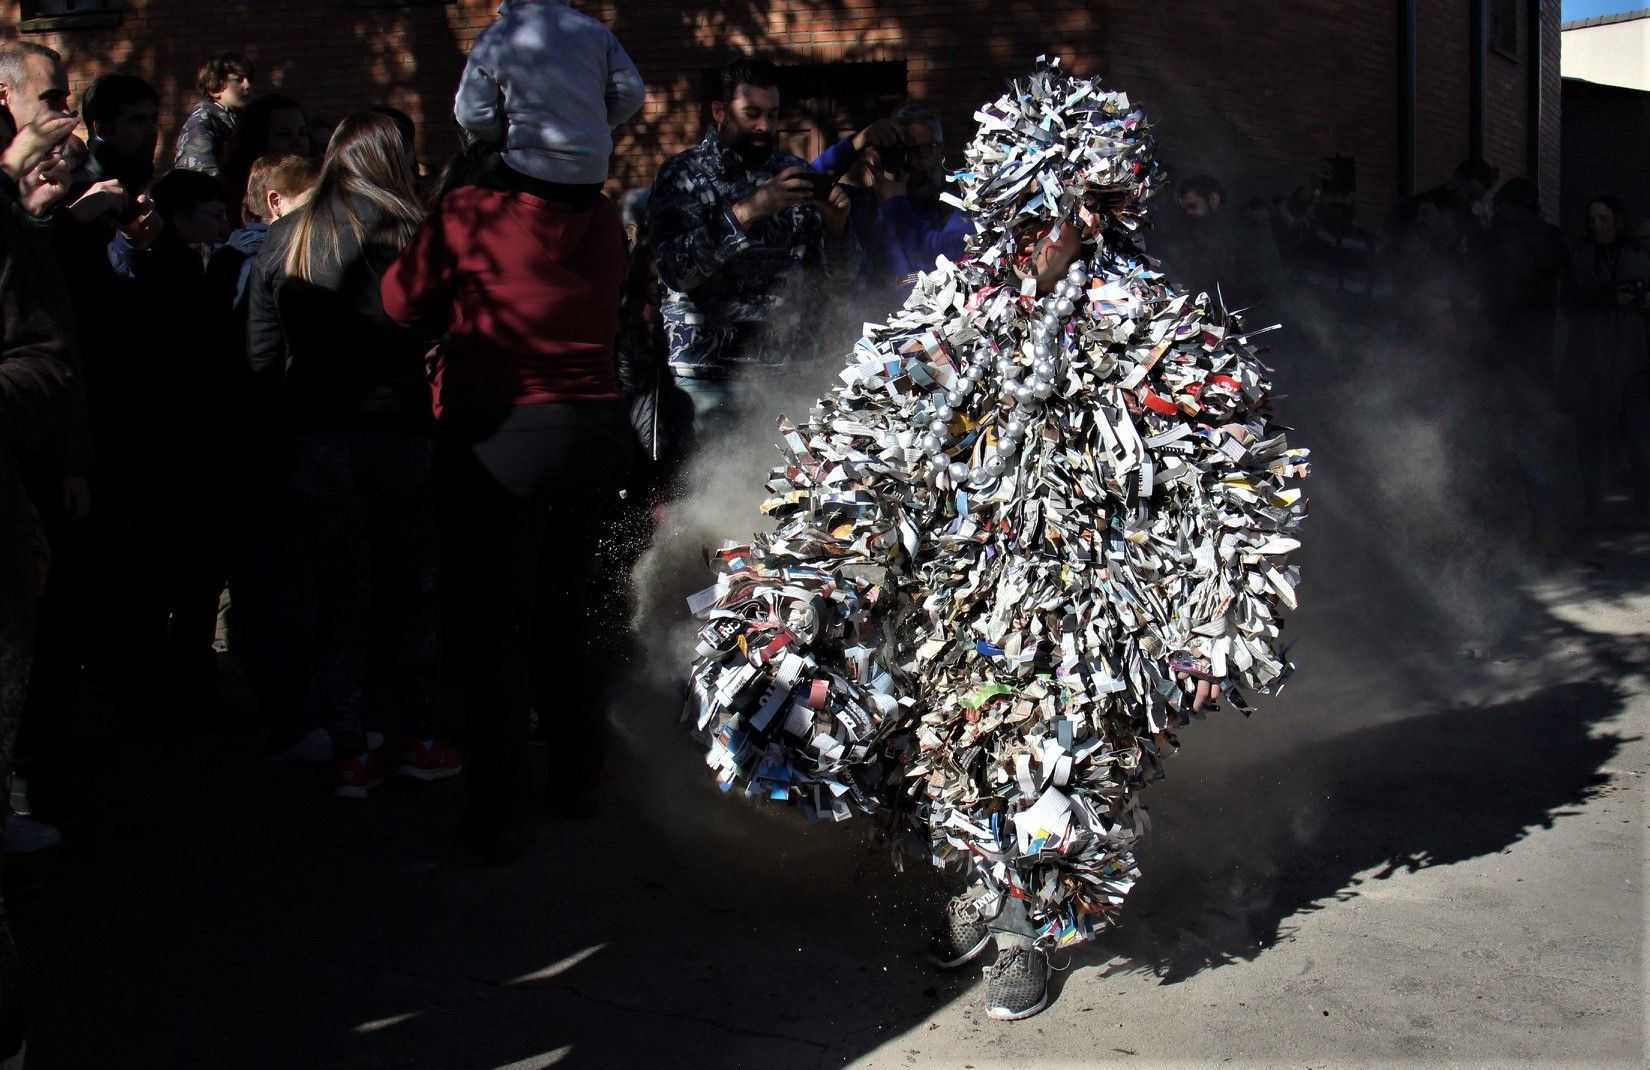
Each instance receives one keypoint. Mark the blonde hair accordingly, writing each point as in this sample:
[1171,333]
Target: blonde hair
[366,160]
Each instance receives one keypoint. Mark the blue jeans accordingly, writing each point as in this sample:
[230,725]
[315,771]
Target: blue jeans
[718,407]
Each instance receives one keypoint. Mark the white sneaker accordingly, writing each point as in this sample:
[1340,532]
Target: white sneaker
[25,835]
[316,748]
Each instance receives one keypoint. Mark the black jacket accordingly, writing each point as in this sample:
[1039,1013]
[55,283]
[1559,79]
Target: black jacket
[326,347]
[38,381]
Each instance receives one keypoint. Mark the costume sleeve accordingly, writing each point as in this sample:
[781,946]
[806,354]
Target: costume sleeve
[479,106]
[625,89]
[694,230]
[418,288]
[196,149]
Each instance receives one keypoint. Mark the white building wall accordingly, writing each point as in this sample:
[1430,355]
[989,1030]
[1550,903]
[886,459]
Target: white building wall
[1614,53]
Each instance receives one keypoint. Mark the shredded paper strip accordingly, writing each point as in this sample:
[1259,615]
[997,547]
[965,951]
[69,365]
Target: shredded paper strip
[1005,541]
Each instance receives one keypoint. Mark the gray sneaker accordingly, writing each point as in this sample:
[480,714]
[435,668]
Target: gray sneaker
[1016,985]
[963,934]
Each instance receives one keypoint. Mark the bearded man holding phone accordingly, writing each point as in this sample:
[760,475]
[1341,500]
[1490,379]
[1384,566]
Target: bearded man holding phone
[746,236]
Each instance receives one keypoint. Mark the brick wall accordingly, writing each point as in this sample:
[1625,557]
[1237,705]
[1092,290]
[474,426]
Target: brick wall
[1254,94]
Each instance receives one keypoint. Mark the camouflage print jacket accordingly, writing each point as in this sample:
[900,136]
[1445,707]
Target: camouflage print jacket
[736,298]
[204,137]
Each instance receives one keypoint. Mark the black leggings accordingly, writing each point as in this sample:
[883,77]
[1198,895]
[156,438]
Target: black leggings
[526,494]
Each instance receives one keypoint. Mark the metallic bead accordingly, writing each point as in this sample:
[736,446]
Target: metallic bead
[994,466]
[932,443]
[956,397]
[1042,389]
[957,471]
[939,427]
[1065,307]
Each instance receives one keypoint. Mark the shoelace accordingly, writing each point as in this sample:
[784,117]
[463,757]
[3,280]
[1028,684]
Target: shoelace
[1047,946]
[1013,961]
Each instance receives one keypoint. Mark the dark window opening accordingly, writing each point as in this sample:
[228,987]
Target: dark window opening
[821,103]
[1504,25]
[42,16]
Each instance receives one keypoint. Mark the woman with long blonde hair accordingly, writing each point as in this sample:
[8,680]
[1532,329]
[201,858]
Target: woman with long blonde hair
[351,385]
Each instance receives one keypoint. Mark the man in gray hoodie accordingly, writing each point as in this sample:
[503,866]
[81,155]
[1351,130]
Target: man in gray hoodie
[546,85]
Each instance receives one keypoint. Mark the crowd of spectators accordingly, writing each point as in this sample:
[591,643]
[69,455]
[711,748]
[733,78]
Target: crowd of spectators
[1472,282]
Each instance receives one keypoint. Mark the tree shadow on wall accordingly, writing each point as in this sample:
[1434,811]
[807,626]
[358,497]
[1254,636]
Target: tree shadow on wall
[704,35]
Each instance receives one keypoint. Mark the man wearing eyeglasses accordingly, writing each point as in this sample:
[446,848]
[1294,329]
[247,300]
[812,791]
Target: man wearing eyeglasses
[899,218]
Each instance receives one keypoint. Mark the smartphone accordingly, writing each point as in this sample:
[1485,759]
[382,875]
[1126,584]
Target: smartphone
[822,184]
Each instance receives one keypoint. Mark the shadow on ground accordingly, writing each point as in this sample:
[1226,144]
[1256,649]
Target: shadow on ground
[213,909]
[1233,867]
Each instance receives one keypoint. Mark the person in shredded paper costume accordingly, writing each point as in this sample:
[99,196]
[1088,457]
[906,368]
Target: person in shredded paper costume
[1043,518]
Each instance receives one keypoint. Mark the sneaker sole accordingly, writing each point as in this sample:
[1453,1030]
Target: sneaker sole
[962,960]
[418,773]
[1004,1014]
[1008,1014]
[354,791]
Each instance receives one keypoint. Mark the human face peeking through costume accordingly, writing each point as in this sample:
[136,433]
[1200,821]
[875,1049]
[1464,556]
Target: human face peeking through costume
[1047,250]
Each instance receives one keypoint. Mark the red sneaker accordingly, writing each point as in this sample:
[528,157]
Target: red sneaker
[359,775]
[430,760]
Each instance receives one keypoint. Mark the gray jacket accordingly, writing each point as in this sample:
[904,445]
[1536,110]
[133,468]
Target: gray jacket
[547,85]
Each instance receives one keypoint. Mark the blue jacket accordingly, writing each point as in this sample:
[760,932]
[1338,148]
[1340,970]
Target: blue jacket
[901,236]
[230,265]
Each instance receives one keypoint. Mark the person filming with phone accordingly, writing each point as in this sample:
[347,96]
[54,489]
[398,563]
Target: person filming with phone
[894,172]
[746,239]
